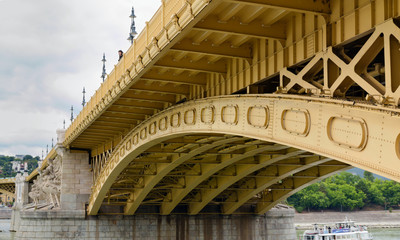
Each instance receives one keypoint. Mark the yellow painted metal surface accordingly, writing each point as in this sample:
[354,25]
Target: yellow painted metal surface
[7,187]
[319,92]
[194,49]
[357,134]
[6,196]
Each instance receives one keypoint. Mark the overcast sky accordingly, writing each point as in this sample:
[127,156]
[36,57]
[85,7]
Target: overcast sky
[49,51]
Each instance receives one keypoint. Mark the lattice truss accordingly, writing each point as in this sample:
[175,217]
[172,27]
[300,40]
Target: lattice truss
[7,188]
[367,69]
[215,173]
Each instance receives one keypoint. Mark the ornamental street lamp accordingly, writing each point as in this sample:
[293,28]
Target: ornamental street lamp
[133,32]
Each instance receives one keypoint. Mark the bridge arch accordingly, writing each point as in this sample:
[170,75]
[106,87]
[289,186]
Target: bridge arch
[255,131]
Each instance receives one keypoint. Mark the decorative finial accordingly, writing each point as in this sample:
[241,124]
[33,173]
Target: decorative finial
[52,142]
[133,32]
[47,150]
[42,154]
[64,123]
[72,113]
[83,100]
[104,74]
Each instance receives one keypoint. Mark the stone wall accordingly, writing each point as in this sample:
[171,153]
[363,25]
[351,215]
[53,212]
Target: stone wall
[76,180]
[275,225]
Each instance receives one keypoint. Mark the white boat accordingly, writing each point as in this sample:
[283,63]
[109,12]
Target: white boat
[340,230]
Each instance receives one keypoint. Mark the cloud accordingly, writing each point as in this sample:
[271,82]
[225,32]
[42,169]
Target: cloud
[49,51]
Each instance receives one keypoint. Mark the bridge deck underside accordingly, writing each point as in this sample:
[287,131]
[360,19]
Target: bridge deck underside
[221,174]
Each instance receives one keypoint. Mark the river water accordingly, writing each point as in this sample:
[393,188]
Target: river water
[378,233]
[385,233]
[5,233]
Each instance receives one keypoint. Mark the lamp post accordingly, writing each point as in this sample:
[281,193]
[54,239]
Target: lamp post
[104,74]
[133,32]
[72,113]
[83,99]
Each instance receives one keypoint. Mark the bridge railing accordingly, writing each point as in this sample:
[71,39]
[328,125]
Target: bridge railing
[7,180]
[167,22]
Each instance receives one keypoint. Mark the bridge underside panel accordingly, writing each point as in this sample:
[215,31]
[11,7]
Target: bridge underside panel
[241,154]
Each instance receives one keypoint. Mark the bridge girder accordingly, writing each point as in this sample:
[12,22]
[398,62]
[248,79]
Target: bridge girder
[183,78]
[308,6]
[208,48]
[235,27]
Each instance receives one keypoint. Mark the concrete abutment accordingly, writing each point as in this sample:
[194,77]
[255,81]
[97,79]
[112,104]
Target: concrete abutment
[277,224]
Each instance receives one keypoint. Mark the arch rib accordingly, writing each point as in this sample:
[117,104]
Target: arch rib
[208,195]
[315,125]
[265,182]
[275,196]
[191,183]
[137,197]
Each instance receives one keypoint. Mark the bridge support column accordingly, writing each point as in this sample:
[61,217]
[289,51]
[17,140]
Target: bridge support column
[21,198]
[277,224]
[76,178]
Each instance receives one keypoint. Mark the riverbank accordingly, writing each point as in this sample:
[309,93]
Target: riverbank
[373,219]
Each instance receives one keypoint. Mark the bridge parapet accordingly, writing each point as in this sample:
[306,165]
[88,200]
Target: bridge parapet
[7,180]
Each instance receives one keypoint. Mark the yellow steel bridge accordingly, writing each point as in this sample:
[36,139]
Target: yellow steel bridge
[231,106]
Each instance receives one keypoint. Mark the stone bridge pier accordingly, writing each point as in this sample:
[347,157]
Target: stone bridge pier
[21,198]
[69,219]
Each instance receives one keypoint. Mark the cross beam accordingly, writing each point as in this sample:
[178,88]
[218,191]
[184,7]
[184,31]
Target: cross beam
[303,6]
[235,27]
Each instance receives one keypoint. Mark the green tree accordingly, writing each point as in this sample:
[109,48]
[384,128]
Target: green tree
[313,198]
[369,176]
[345,197]
[338,199]
[345,178]
[5,164]
[371,191]
[27,157]
[390,191]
